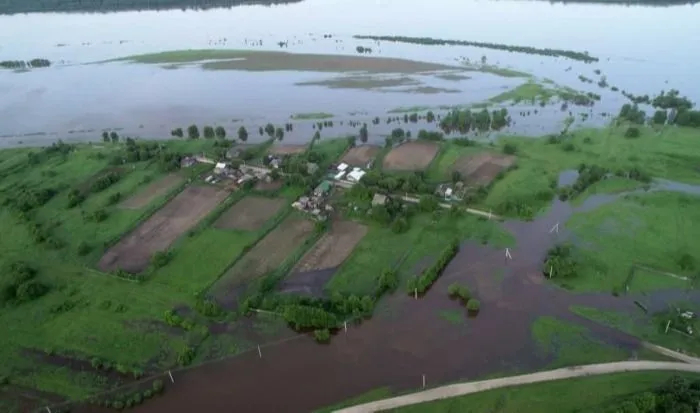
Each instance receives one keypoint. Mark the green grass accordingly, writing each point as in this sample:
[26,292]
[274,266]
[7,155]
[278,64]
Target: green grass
[653,229]
[645,281]
[564,396]
[612,185]
[311,115]
[411,109]
[649,328]
[570,344]
[370,396]
[383,249]
[529,91]
[454,317]
[441,167]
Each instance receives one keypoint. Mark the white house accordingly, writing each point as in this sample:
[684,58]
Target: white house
[339,175]
[220,167]
[342,167]
[356,175]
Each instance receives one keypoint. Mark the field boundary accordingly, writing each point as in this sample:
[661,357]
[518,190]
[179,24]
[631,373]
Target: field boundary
[632,272]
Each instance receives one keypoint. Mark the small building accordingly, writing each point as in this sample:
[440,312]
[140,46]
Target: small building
[323,189]
[356,175]
[343,166]
[187,161]
[448,192]
[221,167]
[379,199]
[311,167]
[339,175]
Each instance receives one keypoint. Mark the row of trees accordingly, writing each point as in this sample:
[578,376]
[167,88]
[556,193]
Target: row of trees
[463,121]
[19,284]
[580,56]
[23,64]
[678,394]
[422,282]
[103,6]
[133,399]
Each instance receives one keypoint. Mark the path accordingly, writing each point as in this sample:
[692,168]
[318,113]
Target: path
[461,389]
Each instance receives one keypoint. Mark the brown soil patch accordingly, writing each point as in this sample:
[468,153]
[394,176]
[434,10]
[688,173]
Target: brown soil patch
[411,156]
[481,169]
[287,149]
[133,252]
[360,155]
[250,213]
[267,255]
[333,248]
[154,190]
[268,186]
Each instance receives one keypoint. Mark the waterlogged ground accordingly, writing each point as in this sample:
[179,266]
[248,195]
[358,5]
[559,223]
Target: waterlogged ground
[524,324]
[75,101]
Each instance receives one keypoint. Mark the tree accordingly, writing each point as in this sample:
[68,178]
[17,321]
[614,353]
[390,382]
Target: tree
[323,335]
[242,134]
[510,149]
[473,305]
[193,132]
[363,133]
[114,137]
[208,132]
[660,117]
[317,136]
[177,132]
[456,176]
[261,131]
[430,116]
[220,132]
[279,133]
[105,136]
[270,130]
[632,132]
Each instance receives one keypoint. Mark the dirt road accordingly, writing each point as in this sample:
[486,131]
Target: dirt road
[460,389]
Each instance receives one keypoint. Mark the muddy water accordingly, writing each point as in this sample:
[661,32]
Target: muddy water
[75,101]
[408,338]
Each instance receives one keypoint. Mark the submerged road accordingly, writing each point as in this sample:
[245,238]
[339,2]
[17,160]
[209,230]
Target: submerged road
[461,389]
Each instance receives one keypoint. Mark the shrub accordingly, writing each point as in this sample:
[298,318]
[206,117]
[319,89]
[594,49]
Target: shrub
[510,149]
[422,282]
[473,305]
[185,356]
[632,132]
[160,259]
[322,335]
[457,290]
[114,198]
[83,248]
[157,386]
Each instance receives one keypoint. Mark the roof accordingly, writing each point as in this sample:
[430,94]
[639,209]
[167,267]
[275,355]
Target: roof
[325,186]
[220,165]
[379,199]
[356,175]
[448,192]
[343,166]
[339,175]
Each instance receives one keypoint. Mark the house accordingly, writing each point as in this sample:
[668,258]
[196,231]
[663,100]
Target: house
[356,175]
[221,168]
[379,199]
[339,175]
[187,161]
[342,167]
[311,168]
[448,192]
[323,189]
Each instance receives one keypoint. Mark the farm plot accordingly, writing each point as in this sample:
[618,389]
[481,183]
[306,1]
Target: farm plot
[483,168]
[333,248]
[133,252]
[153,191]
[411,156]
[287,149]
[360,155]
[250,213]
[267,255]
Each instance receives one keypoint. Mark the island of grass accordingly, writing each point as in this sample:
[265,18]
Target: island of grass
[312,115]
[262,61]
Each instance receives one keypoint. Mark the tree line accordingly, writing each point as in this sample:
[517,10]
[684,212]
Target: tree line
[103,6]
[463,121]
[23,64]
[677,394]
[580,56]
[421,283]
[591,174]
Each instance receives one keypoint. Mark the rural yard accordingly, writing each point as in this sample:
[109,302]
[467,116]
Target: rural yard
[411,156]
[267,255]
[483,168]
[287,149]
[333,248]
[153,191]
[133,252]
[361,155]
[250,213]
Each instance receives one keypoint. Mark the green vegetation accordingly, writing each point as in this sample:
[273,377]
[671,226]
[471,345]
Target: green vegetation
[584,57]
[608,393]
[253,60]
[101,6]
[21,64]
[421,283]
[312,115]
[457,290]
[570,345]
[531,91]
[617,236]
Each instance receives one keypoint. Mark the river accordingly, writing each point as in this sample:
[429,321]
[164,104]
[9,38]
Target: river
[638,50]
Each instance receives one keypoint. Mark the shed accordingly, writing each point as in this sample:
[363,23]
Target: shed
[343,166]
[323,188]
[379,199]
[356,175]
[339,175]
[220,167]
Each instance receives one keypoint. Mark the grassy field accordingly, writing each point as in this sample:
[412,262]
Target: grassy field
[249,60]
[383,249]
[570,345]
[566,396]
[87,314]
[441,167]
[655,230]
[650,328]
[612,185]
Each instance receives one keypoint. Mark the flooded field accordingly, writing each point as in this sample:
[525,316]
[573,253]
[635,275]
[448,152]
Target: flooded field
[75,101]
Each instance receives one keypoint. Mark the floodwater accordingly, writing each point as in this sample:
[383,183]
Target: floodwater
[407,338]
[75,102]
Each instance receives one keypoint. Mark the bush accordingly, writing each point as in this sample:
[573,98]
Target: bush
[423,282]
[114,198]
[83,248]
[473,305]
[460,291]
[158,386]
[510,149]
[632,132]
[322,335]
[160,259]
[4,380]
